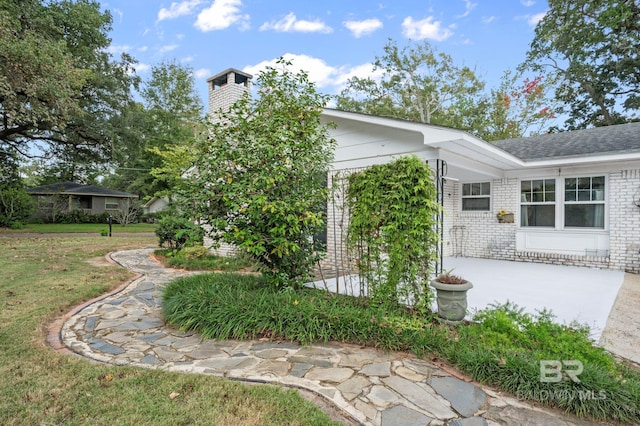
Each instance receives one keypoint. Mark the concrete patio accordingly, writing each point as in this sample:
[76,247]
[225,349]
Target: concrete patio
[571,293]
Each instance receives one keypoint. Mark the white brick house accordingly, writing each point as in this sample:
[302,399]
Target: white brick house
[574,195]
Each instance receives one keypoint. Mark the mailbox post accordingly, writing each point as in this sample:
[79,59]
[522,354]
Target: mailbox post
[110,222]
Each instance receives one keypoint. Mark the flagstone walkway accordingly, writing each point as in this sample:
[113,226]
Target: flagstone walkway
[365,385]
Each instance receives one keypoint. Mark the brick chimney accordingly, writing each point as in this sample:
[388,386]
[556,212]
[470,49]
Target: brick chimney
[225,88]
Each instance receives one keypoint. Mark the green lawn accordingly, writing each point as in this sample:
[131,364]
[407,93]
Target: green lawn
[41,279]
[90,228]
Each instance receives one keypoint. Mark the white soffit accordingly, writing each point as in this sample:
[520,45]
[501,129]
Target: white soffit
[368,139]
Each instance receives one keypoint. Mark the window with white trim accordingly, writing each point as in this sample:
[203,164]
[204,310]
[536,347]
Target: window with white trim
[476,196]
[111,203]
[538,202]
[584,202]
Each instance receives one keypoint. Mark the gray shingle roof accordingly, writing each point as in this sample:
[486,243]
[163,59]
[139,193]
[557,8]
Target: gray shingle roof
[78,189]
[619,139]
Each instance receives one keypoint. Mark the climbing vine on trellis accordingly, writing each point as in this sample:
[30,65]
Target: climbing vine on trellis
[392,227]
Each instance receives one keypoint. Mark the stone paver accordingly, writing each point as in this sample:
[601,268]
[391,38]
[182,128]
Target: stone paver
[367,386]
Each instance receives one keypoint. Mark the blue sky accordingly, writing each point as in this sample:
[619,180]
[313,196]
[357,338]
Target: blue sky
[333,40]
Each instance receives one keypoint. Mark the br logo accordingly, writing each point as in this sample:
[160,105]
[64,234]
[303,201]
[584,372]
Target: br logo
[551,371]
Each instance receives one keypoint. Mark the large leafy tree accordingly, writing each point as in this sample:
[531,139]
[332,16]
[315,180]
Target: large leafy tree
[169,117]
[259,177]
[518,107]
[591,47]
[420,84]
[59,86]
[417,83]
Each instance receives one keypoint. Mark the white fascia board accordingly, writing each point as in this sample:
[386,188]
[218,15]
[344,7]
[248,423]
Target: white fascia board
[595,159]
[574,169]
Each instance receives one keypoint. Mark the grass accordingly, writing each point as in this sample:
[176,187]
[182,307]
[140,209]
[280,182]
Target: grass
[503,347]
[74,228]
[41,279]
[199,259]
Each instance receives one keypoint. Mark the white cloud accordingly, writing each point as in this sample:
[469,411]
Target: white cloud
[362,28]
[168,48]
[469,6]
[116,49]
[360,71]
[118,12]
[220,15]
[534,19]
[143,48]
[488,19]
[187,59]
[141,68]
[319,72]
[292,24]
[178,9]
[202,73]
[527,3]
[326,77]
[425,28]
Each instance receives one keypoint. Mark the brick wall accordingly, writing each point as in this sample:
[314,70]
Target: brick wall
[624,220]
[479,234]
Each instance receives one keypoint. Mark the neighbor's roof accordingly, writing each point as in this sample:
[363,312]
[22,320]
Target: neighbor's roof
[607,140]
[73,188]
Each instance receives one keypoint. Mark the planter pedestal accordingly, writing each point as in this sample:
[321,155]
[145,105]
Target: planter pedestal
[452,300]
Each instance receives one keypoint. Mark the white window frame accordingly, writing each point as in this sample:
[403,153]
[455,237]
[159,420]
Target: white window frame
[560,203]
[463,197]
[591,201]
[109,200]
[533,202]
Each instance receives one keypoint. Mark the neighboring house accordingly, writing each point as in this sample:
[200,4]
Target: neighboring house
[574,196]
[68,196]
[155,205]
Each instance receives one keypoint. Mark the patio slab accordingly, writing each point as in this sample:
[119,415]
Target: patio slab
[572,293]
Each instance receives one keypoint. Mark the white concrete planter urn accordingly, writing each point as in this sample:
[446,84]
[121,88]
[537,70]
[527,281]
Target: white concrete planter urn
[451,295]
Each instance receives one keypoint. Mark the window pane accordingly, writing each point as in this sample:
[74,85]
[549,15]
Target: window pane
[584,195]
[550,185]
[540,215]
[475,189]
[466,189]
[584,215]
[584,183]
[597,188]
[537,185]
[550,196]
[475,204]
[570,184]
[485,188]
[597,182]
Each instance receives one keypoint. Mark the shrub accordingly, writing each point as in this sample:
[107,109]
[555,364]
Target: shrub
[194,252]
[503,347]
[261,172]
[15,206]
[178,232]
